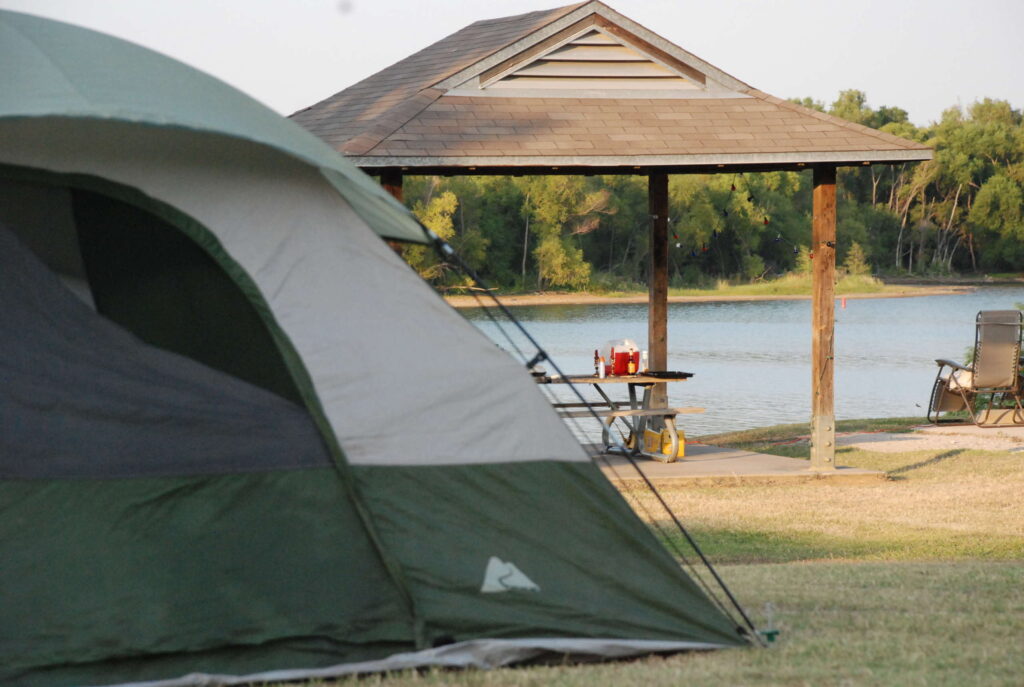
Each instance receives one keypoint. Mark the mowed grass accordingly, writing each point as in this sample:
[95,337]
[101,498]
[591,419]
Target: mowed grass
[842,625]
[934,505]
[914,580]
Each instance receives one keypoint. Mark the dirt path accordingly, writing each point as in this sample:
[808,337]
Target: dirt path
[938,438]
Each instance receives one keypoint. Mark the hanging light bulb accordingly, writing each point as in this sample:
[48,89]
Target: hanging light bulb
[766,221]
[733,187]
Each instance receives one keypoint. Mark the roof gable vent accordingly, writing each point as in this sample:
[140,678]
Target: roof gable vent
[592,61]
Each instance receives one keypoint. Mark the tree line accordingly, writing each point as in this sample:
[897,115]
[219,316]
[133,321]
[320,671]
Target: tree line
[961,212]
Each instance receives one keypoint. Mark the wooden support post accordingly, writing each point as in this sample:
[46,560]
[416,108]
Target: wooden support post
[391,180]
[823,279]
[657,304]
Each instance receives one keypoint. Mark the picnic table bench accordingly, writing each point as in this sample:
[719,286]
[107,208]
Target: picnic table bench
[634,413]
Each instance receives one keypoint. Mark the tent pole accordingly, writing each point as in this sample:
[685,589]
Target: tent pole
[823,275]
[657,304]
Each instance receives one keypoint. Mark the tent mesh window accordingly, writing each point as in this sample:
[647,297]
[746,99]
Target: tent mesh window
[153,280]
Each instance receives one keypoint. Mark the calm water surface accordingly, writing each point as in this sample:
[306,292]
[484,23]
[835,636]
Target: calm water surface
[752,360]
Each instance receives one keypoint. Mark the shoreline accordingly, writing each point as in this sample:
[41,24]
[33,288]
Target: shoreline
[583,298]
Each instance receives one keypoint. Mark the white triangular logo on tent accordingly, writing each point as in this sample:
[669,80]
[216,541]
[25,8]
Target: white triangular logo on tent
[503,577]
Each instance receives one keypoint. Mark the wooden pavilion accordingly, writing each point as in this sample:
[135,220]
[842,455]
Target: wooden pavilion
[582,89]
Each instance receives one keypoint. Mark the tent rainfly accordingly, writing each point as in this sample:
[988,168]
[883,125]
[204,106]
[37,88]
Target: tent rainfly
[582,89]
[230,448]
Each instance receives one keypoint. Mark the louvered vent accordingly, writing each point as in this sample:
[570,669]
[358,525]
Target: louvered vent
[594,61]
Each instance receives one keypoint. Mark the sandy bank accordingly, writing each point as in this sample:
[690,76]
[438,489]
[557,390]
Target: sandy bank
[544,298]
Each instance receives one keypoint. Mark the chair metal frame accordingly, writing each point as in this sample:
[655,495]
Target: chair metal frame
[994,395]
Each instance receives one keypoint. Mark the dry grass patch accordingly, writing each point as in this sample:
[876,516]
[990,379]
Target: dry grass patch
[936,505]
[945,507]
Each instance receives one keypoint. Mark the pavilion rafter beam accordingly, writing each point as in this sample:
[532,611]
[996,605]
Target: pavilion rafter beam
[638,170]
[713,162]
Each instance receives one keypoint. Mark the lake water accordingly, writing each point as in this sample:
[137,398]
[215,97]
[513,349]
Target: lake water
[752,359]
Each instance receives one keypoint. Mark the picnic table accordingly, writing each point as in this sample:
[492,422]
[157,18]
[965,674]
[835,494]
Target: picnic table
[635,412]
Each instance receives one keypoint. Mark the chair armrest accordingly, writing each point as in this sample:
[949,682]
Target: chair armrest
[950,363]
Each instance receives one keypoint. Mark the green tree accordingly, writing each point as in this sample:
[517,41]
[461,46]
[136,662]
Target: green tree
[855,262]
[563,209]
[435,213]
[804,261]
[998,213]
[809,103]
[852,106]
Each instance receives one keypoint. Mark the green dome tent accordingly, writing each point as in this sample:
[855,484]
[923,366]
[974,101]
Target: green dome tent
[240,439]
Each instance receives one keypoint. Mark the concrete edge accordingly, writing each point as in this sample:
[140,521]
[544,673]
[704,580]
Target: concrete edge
[839,477]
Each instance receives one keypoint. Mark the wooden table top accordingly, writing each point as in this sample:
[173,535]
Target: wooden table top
[618,379]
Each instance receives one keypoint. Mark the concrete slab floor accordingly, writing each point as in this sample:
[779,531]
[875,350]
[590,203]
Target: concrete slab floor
[711,465]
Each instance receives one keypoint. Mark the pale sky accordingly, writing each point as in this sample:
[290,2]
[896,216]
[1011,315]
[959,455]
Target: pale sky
[921,55]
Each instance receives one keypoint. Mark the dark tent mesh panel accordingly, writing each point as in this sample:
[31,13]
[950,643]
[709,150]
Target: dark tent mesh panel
[155,281]
[110,406]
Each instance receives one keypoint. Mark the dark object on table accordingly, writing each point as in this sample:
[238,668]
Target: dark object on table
[667,374]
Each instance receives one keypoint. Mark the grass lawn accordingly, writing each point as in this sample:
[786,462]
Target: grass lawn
[917,580]
[791,285]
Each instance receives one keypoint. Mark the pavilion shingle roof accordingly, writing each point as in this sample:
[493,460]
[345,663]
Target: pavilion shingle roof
[429,110]
[382,102]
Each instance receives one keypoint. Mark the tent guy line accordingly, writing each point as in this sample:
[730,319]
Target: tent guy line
[445,251]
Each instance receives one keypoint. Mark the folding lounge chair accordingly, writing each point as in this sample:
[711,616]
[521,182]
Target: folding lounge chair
[990,389]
